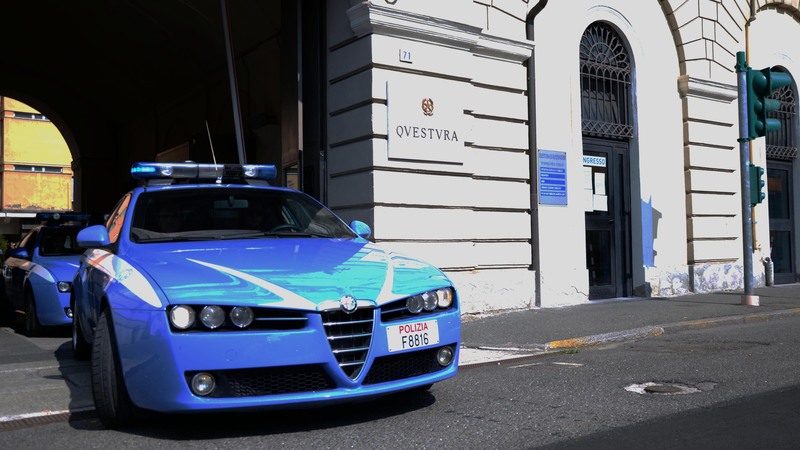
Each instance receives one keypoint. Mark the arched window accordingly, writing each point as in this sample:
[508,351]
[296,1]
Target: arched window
[606,79]
[781,144]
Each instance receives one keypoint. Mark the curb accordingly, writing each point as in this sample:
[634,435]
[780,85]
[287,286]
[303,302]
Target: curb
[658,330]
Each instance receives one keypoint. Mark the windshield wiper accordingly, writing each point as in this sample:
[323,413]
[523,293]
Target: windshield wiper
[297,234]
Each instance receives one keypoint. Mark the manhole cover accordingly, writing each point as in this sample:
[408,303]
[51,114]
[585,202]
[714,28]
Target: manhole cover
[661,388]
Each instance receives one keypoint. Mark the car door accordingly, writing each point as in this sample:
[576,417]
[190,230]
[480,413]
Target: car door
[94,280]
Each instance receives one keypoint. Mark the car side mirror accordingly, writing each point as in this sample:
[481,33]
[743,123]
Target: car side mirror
[361,229]
[95,236]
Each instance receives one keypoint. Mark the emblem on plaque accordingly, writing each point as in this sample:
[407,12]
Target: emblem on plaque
[427,106]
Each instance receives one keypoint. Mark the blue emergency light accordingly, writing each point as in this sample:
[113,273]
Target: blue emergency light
[189,170]
[57,218]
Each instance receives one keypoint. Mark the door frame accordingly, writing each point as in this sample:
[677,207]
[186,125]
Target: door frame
[617,220]
[784,224]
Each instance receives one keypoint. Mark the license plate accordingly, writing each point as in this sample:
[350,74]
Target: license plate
[412,335]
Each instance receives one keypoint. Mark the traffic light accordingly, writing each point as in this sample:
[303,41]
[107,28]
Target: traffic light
[757,184]
[760,84]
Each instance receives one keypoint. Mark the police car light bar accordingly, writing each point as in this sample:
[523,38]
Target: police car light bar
[63,217]
[147,171]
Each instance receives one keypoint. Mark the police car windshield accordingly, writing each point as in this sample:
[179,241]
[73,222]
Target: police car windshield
[214,213]
[59,242]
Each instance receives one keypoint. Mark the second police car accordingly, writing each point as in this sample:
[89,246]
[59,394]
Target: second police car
[223,293]
[38,271]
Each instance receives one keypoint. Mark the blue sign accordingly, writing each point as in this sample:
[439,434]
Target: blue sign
[552,177]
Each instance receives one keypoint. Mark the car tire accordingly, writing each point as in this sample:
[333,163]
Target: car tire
[80,348]
[7,313]
[111,399]
[32,326]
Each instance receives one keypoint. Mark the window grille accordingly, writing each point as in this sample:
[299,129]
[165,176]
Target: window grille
[782,144]
[605,84]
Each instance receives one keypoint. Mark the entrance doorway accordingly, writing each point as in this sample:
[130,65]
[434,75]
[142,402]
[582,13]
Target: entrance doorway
[781,220]
[608,225]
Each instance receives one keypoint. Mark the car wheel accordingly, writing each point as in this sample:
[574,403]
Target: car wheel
[111,399]
[80,348]
[32,326]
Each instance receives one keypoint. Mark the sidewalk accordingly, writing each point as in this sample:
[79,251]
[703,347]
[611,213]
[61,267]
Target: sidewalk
[523,333]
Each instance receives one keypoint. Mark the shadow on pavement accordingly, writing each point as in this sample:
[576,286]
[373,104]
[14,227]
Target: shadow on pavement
[191,427]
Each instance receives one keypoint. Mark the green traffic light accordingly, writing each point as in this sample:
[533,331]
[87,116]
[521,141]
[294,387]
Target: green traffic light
[757,183]
[760,84]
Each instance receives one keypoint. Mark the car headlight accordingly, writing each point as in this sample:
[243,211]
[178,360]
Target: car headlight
[182,317]
[212,316]
[444,297]
[242,316]
[429,300]
[64,286]
[415,304]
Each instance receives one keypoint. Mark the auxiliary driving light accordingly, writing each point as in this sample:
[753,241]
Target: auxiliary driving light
[212,316]
[444,356]
[242,316]
[182,317]
[203,383]
[64,286]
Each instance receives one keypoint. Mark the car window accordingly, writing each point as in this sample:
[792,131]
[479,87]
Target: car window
[28,242]
[117,218]
[230,213]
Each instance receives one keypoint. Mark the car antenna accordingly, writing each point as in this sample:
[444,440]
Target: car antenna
[213,156]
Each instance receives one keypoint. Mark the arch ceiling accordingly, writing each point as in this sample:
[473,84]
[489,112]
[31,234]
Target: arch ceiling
[98,68]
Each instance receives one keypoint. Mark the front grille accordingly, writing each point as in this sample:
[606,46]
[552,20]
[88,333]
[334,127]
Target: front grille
[269,381]
[349,336]
[279,319]
[404,365]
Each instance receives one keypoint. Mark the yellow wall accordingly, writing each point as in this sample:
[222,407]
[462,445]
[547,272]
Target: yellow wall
[27,191]
[15,105]
[38,143]
[34,142]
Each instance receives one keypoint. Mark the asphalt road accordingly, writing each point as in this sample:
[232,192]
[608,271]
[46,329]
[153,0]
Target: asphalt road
[739,388]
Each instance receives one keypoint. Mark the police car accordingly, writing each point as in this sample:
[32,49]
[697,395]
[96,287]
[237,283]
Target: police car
[209,290]
[38,271]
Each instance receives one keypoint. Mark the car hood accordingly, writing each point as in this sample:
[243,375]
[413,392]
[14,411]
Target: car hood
[63,268]
[304,273]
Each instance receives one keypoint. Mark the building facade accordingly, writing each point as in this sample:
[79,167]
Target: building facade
[36,171]
[550,153]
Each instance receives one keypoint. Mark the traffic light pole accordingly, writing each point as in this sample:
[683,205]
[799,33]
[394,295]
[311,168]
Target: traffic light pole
[744,163]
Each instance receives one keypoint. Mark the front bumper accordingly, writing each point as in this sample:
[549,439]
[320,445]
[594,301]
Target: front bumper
[51,305]
[261,369]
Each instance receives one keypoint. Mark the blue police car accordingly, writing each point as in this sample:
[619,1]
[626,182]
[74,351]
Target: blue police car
[209,290]
[38,271]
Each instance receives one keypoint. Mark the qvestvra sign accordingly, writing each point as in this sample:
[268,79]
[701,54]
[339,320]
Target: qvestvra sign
[552,177]
[425,120]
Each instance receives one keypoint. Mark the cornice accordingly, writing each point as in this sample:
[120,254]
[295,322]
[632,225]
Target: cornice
[707,89]
[368,18]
